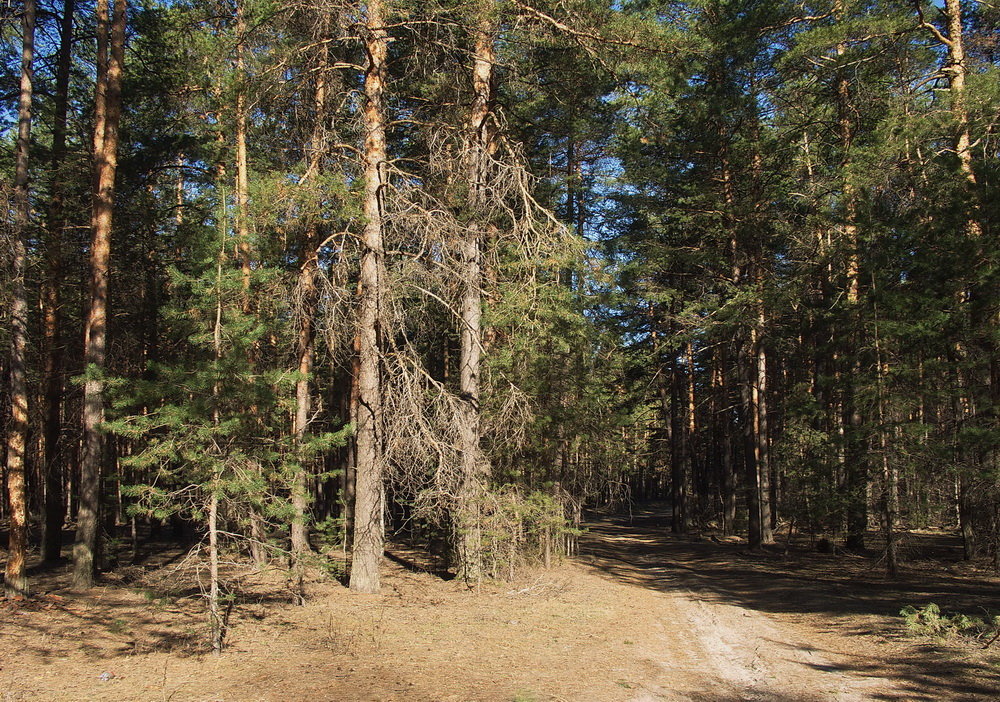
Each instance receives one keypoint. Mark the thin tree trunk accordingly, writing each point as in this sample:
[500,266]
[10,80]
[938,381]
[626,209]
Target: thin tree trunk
[214,611]
[369,528]
[474,470]
[242,168]
[855,455]
[306,348]
[761,441]
[691,484]
[750,448]
[303,400]
[215,616]
[15,578]
[107,112]
[678,480]
[258,537]
[890,474]
[55,513]
[728,468]
[349,485]
[966,514]
[664,438]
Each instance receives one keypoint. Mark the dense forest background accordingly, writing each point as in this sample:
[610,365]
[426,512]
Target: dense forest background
[452,271]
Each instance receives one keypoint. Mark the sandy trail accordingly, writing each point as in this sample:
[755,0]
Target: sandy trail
[718,651]
[707,648]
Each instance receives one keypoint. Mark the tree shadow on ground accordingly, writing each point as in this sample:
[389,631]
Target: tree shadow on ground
[155,603]
[842,594]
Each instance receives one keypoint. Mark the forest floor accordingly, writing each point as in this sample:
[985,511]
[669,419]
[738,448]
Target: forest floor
[640,615]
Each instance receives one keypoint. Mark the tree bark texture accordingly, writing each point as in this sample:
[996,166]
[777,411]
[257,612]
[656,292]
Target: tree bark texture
[15,578]
[369,528]
[474,469]
[107,113]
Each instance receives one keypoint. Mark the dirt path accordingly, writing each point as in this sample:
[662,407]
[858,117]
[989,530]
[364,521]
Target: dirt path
[741,626]
[717,651]
[640,616]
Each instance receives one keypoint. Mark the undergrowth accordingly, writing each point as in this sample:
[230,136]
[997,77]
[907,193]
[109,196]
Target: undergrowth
[929,620]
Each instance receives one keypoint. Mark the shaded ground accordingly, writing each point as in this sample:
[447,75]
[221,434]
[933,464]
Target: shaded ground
[641,616]
[779,616]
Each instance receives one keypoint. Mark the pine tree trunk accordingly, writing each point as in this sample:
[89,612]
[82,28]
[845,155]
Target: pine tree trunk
[306,347]
[693,484]
[966,515]
[55,513]
[957,70]
[258,537]
[664,440]
[728,477]
[890,477]
[750,449]
[214,610]
[107,112]
[678,479]
[855,454]
[369,528]
[216,619]
[303,400]
[242,167]
[15,578]
[761,440]
[474,470]
[348,493]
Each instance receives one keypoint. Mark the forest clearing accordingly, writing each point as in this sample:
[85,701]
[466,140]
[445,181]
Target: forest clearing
[500,349]
[640,615]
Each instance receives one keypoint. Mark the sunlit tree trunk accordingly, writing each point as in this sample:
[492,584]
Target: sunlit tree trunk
[242,167]
[369,528]
[678,472]
[957,71]
[474,470]
[107,112]
[15,578]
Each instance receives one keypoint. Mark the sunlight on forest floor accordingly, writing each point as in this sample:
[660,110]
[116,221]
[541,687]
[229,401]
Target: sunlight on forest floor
[641,615]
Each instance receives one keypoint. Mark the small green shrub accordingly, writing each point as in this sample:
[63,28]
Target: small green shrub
[930,621]
[330,532]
